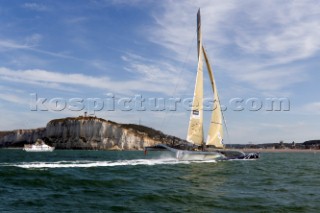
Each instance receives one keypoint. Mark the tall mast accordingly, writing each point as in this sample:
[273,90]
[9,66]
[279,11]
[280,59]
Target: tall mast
[195,129]
[199,32]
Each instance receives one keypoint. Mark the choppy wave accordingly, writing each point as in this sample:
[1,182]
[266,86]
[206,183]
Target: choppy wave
[86,164]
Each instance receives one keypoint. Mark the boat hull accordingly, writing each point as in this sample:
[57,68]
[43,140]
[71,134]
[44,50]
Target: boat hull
[194,155]
[39,149]
[190,155]
[211,154]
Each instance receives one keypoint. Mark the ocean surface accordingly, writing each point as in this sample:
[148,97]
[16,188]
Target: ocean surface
[115,181]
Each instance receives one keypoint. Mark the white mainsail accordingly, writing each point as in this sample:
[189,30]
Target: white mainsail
[215,133]
[195,130]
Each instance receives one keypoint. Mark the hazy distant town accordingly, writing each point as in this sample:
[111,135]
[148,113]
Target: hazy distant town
[311,144]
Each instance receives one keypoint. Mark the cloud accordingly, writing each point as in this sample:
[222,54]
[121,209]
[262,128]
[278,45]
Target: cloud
[162,75]
[76,20]
[99,64]
[34,39]
[125,2]
[35,6]
[8,44]
[29,45]
[43,76]
[176,26]
[272,79]
[287,43]
[26,60]
[254,42]
[12,98]
[313,108]
[149,79]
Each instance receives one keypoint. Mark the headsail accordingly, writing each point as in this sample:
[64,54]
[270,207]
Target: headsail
[195,130]
[215,133]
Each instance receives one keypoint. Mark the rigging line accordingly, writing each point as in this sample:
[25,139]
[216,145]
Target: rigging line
[225,125]
[178,80]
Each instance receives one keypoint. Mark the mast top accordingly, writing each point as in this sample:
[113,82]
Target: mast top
[198,18]
[199,32]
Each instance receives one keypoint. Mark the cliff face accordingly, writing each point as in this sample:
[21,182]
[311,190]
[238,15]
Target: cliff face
[94,133]
[89,133]
[21,136]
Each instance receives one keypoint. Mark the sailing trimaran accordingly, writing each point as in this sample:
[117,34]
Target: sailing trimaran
[213,148]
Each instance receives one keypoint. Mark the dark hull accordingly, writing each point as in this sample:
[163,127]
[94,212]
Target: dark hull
[211,154]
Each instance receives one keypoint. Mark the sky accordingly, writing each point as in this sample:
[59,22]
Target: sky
[55,53]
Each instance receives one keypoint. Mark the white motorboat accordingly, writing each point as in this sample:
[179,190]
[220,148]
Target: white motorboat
[39,146]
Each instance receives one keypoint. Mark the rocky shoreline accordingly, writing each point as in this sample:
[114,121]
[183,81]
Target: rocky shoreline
[89,133]
[92,133]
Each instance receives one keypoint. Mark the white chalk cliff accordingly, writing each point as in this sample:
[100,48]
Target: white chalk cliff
[88,133]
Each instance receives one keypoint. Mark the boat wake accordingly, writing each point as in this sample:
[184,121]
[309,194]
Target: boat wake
[87,164]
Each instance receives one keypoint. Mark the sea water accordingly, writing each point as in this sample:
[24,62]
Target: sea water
[129,181]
